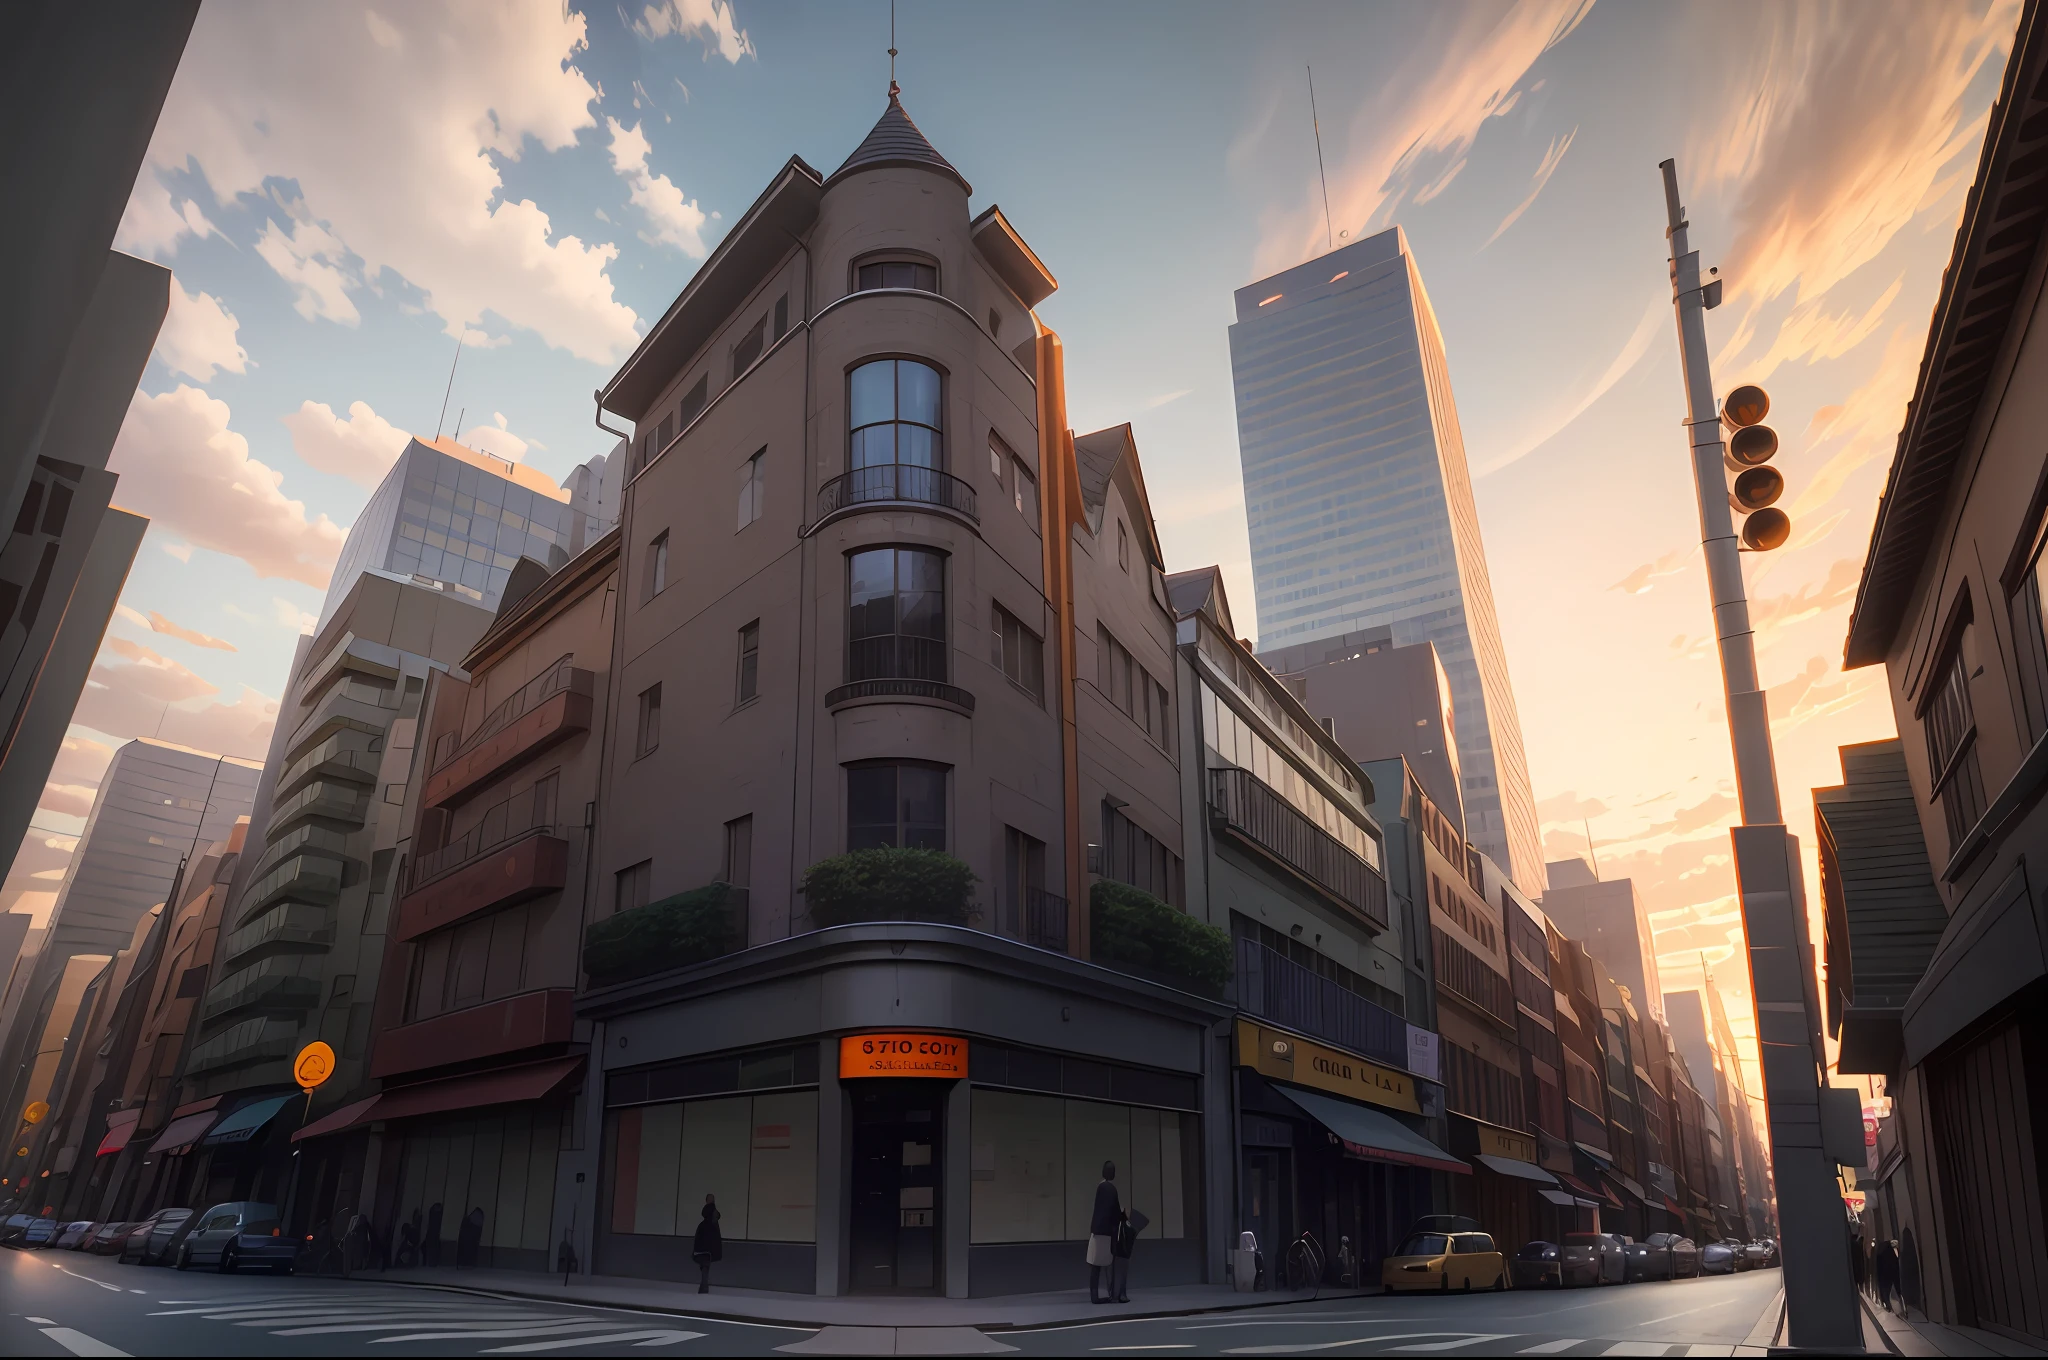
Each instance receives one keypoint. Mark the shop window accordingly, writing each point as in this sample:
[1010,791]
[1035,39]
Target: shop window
[1035,1162]
[895,803]
[758,1155]
[502,1163]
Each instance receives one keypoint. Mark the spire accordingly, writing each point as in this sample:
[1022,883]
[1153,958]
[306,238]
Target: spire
[895,140]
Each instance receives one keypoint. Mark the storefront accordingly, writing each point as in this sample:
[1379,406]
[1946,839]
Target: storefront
[1331,1144]
[1504,1192]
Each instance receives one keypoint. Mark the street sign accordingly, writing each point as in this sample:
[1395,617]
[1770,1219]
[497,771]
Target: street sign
[314,1065]
[34,1112]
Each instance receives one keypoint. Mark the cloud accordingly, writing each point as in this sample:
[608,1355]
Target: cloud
[152,224]
[673,220]
[1810,333]
[157,623]
[1548,425]
[283,614]
[71,800]
[497,440]
[1774,613]
[145,694]
[709,21]
[1413,134]
[182,466]
[361,448]
[1711,811]
[1552,158]
[198,336]
[150,674]
[1154,403]
[1867,422]
[1569,807]
[392,125]
[81,760]
[1638,581]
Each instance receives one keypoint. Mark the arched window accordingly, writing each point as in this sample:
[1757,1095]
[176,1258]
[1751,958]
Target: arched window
[895,415]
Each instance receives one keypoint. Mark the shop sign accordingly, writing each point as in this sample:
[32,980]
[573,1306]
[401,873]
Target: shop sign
[902,1055]
[1288,1057]
[1494,1142]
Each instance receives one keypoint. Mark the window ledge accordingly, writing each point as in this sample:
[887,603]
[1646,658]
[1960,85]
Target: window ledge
[929,692]
[2020,793]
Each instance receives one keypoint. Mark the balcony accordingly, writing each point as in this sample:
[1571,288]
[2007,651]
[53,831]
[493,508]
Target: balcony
[899,484]
[1275,987]
[550,708]
[350,755]
[262,1039]
[349,703]
[288,927]
[301,876]
[528,1020]
[347,803]
[1039,919]
[872,691]
[508,859]
[276,984]
[1243,806]
[316,840]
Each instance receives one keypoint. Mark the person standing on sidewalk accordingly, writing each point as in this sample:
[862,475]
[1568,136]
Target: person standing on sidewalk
[708,1246]
[1102,1226]
[1886,1268]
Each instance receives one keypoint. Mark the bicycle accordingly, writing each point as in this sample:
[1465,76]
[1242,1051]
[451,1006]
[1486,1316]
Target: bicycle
[1303,1265]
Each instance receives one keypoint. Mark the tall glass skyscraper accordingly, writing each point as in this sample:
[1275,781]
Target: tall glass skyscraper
[1361,507]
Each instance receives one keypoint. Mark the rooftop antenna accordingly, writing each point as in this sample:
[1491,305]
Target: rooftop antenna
[460,336]
[894,88]
[1591,851]
[1315,123]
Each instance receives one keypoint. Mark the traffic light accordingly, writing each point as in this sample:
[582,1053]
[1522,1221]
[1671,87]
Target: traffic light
[1757,484]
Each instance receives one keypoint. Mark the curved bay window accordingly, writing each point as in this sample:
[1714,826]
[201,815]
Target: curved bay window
[897,274]
[900,803]
[895,416]
[896,615]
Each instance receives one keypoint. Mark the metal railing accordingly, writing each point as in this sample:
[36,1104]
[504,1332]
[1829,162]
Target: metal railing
[557,678]
[1039,919]
[289,923]
[531,813]
[273,984]
[896,482]
[1244,804]
[1271,985]
[910,689]
[346,755]
[252,1040]
[341,802]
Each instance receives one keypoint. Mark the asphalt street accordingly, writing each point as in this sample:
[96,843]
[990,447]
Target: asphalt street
[64,1303]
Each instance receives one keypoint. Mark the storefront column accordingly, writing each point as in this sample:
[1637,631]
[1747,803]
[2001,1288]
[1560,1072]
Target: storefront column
[835,1149]
[957,1191]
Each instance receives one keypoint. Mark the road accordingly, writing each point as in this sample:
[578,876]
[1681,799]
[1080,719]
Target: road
[64,1303]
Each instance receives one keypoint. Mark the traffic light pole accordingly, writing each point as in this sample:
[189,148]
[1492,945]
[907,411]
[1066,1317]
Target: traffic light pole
[1820,1293]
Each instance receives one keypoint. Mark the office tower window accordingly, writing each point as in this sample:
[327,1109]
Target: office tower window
[1123,546]
[1951,727]
[1133,855]
[896,615]
[1017,652]
[895,803]
[895,415]
[750,662]
[632,885]
[898,274]
[650,721]
[738,869]
[657,567]
[753,488]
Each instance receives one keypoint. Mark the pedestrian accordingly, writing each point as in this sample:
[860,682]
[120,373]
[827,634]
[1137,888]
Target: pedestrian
[1886,1268]
[707,1246]
[1122,1245]
[408,1255]
[430,1240]
[1102,1226]
[469,1238]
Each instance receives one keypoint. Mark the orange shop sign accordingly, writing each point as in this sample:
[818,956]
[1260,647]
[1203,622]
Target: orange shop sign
[902,1055]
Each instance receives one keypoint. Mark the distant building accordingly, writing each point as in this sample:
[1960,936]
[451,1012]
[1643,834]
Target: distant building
[1360,503]
[1605,917]
[451,515]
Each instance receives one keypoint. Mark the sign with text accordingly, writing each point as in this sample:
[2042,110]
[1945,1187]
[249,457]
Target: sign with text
[1288,1057]
[902,1055]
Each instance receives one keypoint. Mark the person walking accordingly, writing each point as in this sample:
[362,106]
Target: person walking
[1886,1268]
[1102,1228]
[707,1246]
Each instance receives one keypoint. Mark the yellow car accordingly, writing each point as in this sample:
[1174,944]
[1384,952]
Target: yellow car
[1445,1261]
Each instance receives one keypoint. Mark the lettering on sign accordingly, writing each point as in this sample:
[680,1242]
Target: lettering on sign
[902,1055]
[1288,1057]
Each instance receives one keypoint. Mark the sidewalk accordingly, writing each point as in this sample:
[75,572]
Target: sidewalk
[1914,1335]
[809,1310]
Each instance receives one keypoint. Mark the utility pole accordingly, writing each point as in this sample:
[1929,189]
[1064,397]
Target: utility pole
[1820,1294]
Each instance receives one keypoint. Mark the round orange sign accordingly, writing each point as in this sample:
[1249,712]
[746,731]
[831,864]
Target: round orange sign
[314,1065]
[34,1112]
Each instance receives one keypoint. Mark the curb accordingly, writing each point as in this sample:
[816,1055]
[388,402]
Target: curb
[1769,1324]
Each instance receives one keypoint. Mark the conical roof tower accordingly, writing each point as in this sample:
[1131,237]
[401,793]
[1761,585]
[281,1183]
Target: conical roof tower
[895,140]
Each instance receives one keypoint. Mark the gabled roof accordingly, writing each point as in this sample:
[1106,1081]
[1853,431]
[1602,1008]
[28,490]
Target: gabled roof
[1112,455]
[1015,262]
[1201,590]
[895,140]
[2004,223]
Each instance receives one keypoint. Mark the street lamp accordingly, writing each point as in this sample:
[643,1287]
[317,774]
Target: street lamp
[1820,1295]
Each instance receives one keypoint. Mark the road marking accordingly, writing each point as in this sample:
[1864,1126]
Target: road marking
[43,1322]
[1637,1348]
[78,1343]
[1162,1346]
[542,1329]
[1669,1316]
[1551,1347]
[135,1291]
[1453,1345]
[609,1338]
[1334,1345]
[1702,1348]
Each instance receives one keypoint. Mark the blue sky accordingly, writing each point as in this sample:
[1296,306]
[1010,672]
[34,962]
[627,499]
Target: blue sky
[342,189]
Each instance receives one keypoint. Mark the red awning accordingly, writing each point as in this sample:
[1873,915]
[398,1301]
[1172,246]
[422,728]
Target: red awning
[507,1086]
[121,1125]
[1672,1205]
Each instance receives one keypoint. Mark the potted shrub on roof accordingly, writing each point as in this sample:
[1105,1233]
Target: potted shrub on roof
[675,932]
[1132,930]
[889,884]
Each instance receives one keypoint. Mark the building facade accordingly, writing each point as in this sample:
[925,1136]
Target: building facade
[1604,915]
[1360,504]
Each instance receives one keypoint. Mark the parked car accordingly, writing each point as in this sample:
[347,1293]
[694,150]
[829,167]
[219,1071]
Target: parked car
[105,1238]
[241,1233]
[1663,1256]
[1771,1245]
[1740,1250]
[71,1234]
[40,1233]
[1538,1264]
[150,1240]
[1594,1258]
[1760,1256]
[1717,1258]
[1443,1261]
[11,1231]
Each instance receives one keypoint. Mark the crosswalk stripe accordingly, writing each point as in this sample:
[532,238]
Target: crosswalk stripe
[502,1332]
[650,1338]
[1453,1345]
[1703,1348]
[1563,1343]
[1638,1348]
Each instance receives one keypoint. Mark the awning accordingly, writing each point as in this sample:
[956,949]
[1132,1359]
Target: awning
[1575,1183]
[1597,1154]
[1508,1166]
[121,1126]
[507,1086]
[1672,1205]
[244,1123]
[181,1134]
[1369,1133]
[1558,1197]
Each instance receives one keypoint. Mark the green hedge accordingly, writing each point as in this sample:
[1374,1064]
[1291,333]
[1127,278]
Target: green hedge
[675,932]
[1134,930]
[889,885]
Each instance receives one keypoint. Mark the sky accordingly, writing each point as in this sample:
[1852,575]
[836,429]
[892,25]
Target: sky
[344,192]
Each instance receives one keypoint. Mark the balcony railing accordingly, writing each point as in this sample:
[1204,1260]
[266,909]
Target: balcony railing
[317,840]
[897,482]
[288,925]
[1271,985]
[556,679]
[301,876]
[255,1040]
[348,803]
[1245,806]
[1038,918]
[900,688]
[345,755]
[523,814]
[272,985]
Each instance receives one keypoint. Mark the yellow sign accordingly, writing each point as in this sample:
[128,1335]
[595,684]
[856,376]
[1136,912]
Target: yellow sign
[314,1065]
[1499,1142]
[902,1055]
[35,1112]
[1287,1057]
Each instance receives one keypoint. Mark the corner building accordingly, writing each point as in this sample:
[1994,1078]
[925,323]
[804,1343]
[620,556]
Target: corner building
[874,592]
